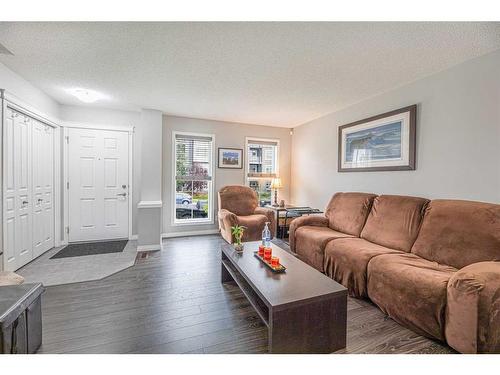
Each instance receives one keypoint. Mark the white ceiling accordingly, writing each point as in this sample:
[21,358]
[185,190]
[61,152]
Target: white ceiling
[280,74]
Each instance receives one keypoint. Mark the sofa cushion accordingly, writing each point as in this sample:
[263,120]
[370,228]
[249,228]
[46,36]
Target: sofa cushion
[238,199]
[310,242]
[459,233]
[394,221]
[346,261]
[254,226]
[411,290]
[347,212]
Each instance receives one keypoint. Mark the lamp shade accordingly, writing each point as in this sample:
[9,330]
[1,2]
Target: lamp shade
[276,183]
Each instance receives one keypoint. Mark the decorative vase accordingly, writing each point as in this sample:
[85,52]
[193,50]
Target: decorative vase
[238,247]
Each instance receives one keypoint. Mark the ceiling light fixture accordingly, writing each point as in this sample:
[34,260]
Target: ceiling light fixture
[87,96]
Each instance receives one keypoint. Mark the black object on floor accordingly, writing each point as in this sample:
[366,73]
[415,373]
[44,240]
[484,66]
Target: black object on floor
[91,248]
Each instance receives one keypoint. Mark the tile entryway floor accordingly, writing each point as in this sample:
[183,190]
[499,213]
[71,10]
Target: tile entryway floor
[77,269]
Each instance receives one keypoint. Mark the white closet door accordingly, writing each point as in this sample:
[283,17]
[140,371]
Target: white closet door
[17,195]
[43,187]
[98,184]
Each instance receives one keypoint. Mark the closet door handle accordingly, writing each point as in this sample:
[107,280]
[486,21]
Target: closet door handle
[24,203]
[122,194]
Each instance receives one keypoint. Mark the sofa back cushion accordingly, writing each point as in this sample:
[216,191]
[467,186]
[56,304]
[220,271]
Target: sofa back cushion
[238,199]
[347,212]
[459,233]
[394,221]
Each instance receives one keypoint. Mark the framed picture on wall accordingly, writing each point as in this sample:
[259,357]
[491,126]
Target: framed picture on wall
[381,143]
[230,158]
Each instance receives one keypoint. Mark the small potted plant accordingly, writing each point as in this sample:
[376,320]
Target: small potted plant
[237,232]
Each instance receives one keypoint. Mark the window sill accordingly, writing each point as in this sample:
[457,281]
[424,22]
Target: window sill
[192,222]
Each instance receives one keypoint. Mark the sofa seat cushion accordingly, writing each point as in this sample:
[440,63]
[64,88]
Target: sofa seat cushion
[347,212]
[254,226]
[346,261]
[310,242]
[411,290]
[394,221]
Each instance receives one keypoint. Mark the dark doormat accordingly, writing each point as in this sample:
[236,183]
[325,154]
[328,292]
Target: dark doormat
[90,248]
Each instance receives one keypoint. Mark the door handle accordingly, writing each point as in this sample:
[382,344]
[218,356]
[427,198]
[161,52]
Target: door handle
[24,203]
[122,194]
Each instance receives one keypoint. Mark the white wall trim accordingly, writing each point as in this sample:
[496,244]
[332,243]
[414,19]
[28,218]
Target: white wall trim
[133,237]
[19,105]
[148,247]
[130,181]
[150,204]
[87,125]
[190,233]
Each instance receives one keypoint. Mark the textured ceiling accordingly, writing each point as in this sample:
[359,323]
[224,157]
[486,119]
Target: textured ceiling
[281,74]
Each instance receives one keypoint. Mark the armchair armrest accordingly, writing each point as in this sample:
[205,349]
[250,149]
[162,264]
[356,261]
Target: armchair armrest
[270,217]
[473,309]
[226,220]
[314,220]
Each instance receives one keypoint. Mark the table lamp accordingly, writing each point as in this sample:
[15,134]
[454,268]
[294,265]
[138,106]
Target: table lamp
[276,184]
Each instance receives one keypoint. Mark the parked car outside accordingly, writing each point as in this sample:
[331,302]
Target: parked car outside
[183,198]
[183,212]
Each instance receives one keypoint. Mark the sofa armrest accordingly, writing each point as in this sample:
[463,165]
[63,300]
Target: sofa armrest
[270,217]
[473,309]
[314,220]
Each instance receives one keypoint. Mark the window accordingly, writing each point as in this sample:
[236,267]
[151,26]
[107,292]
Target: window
[193,156]
[262,166]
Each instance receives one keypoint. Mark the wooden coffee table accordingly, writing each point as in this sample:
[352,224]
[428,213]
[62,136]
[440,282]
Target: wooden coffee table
[304,310]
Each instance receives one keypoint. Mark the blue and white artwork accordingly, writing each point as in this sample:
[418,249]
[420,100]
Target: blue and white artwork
[378,143]
[230,158]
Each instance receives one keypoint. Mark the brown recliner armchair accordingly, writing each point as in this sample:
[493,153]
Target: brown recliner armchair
[239,205]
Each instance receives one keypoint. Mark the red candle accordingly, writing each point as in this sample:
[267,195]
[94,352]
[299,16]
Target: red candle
[261,250]
[267,254]
[275,261]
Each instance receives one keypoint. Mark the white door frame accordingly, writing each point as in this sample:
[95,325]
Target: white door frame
[11,101]
[127,129]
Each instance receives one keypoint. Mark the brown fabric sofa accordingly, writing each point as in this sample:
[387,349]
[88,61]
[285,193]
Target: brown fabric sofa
[239,205]
[433,266]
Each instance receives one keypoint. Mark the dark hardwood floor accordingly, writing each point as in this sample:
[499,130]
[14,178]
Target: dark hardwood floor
[173,302]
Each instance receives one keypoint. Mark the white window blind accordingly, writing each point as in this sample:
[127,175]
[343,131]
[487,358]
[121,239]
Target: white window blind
[193,158]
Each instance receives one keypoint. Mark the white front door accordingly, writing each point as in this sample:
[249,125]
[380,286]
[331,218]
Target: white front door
[17,194]
[43,187]
[98,184]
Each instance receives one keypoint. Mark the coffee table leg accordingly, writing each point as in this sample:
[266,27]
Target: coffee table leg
[225,276]
[317,327]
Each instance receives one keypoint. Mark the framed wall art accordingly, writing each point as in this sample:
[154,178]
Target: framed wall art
[231,158]
[384,142]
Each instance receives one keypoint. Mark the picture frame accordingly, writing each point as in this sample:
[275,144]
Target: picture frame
[230,158]
[386,142]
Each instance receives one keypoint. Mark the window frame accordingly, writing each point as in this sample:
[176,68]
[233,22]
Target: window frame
[247,163]
[211,184]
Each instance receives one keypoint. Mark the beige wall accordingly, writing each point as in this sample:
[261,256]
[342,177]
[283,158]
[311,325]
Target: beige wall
[226,135]
[458,140]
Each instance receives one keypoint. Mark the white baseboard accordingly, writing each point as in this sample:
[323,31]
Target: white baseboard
[149,247]
[133,237]
[190,233]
